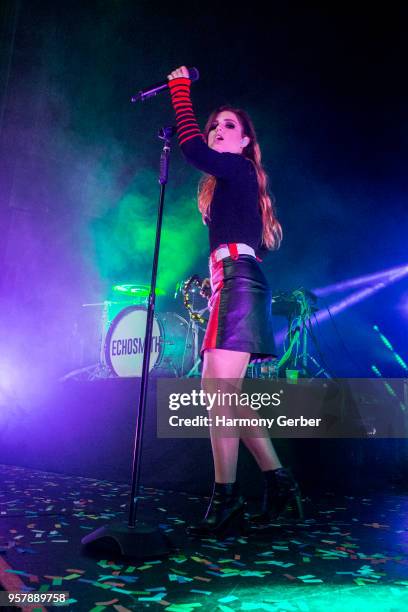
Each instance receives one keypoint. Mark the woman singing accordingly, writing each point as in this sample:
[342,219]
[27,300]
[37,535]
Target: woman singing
[240,217]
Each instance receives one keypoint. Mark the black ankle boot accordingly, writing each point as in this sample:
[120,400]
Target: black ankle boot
[226,510]
[280,490]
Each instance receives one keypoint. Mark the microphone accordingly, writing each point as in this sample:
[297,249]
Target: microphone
[149,92]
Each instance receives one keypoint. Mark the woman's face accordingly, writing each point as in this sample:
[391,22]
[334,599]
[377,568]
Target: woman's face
[225,135]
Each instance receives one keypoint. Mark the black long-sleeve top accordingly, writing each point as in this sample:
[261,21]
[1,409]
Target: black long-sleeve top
[235,214]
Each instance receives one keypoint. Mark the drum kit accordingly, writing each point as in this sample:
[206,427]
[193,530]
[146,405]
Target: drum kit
[176,340]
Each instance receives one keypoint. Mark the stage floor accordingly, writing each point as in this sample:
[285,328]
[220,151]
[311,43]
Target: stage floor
[349,552]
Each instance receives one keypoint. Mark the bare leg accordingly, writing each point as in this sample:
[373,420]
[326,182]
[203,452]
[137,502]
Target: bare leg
[222,364]
[258,442]
[263,452]
[223,371]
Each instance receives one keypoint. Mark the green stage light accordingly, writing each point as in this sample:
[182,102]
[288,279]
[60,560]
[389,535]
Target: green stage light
[364,593]
[389,346]
[124,241]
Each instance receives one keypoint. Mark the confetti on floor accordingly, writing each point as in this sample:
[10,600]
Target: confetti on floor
[345,548]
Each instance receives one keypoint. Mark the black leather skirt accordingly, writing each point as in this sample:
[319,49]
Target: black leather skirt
[240,309]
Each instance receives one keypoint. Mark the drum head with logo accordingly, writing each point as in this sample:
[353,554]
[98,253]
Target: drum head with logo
[124,346]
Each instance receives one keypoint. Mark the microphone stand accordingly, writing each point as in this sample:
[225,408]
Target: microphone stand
[139,539]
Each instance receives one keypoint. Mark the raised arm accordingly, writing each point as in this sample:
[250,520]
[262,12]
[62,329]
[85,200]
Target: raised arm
[191,140]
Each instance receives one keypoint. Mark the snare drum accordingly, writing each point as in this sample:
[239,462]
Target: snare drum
[171,351]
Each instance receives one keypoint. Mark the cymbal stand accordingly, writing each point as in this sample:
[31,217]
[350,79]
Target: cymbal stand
[306,356]
[195,328]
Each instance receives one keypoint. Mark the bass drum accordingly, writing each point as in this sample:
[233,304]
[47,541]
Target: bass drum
[124,347]
[171,351]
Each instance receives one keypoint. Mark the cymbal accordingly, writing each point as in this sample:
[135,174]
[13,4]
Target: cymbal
[286,303]
[136,290]
[107,303]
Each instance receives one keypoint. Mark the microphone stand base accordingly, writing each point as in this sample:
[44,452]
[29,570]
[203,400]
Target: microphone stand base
[141,542]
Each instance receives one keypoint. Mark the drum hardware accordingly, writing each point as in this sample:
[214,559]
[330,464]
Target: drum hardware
[194,371]
[99,370]
[189,289]
[190,286]
[172,350]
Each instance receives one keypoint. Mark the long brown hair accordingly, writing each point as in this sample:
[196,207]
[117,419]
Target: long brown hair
[272,230]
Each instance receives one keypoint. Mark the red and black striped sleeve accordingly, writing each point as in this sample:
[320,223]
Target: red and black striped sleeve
[187,126]
[192,141]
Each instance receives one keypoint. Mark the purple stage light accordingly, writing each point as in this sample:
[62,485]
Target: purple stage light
[385,275]
[8,384]
[8,379]
[384,279]
[358,296]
